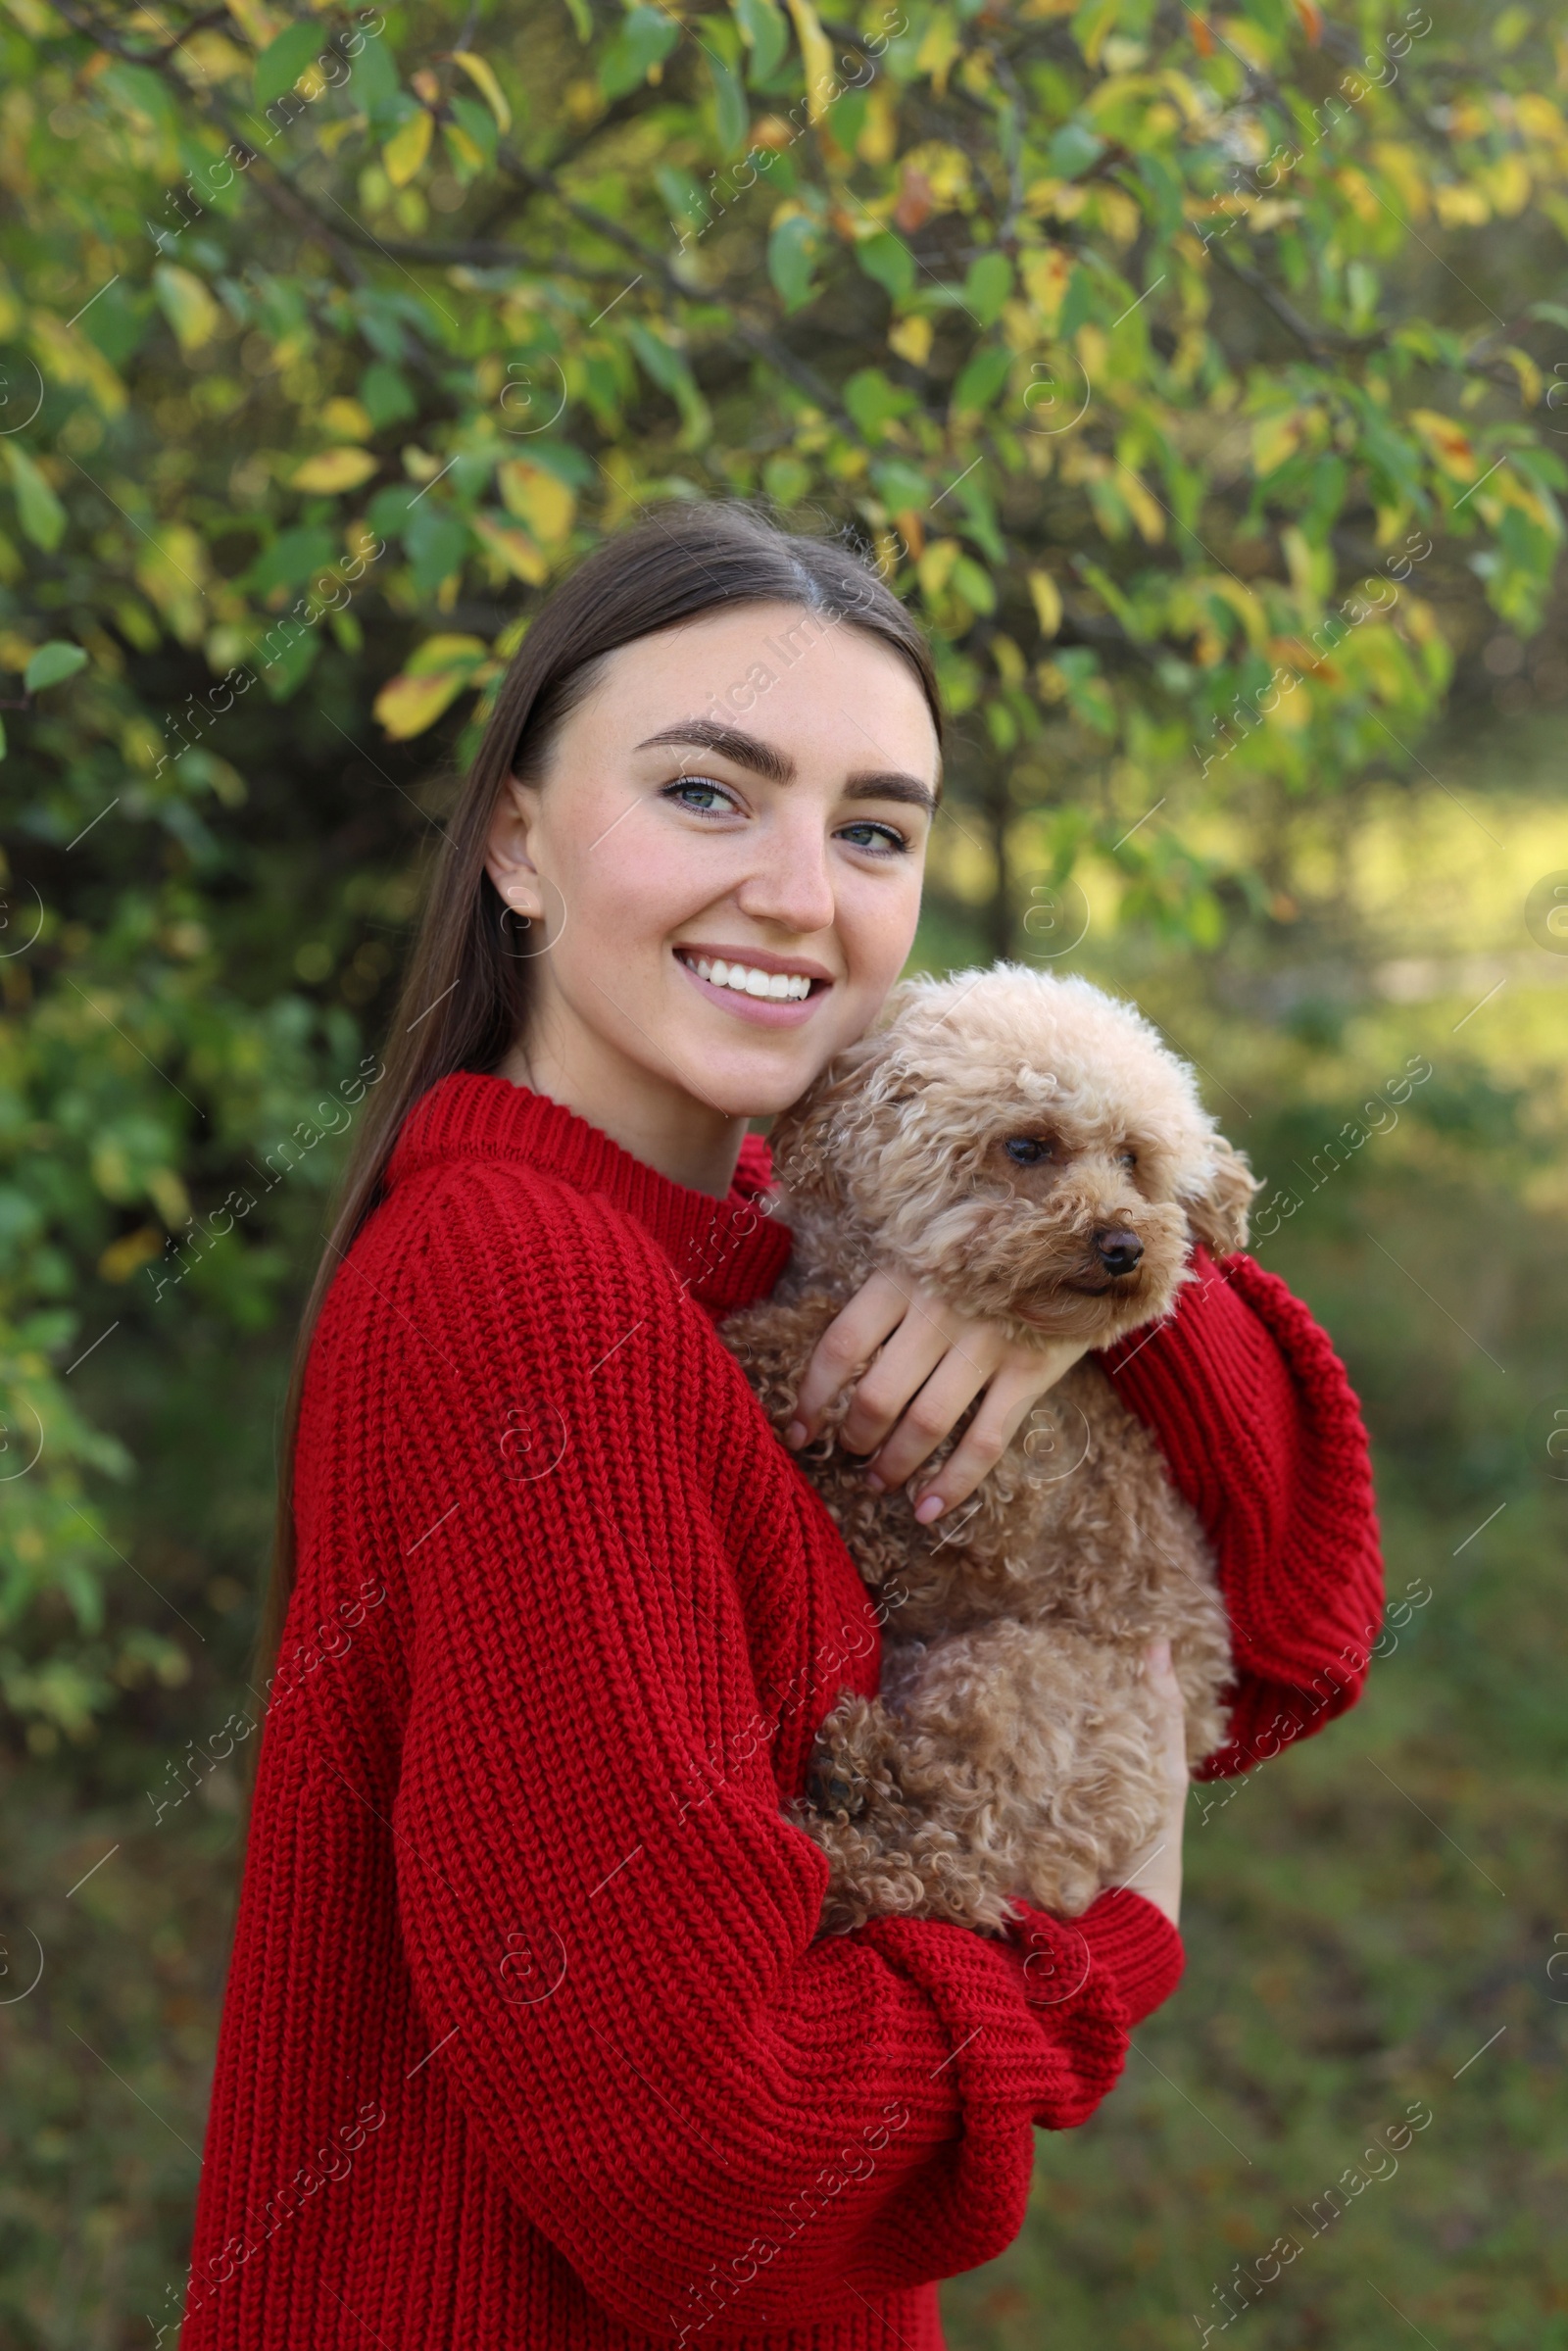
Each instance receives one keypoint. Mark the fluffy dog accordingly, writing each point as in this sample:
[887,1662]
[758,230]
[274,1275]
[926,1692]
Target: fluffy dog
[1028,1145]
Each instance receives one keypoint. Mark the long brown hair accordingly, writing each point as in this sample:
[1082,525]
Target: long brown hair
[464,996]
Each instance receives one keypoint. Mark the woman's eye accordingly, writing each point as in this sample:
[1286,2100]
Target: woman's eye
[1027,1151]
[693,791]
[884,841]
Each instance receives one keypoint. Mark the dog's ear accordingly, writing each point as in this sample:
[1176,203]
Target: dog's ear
[1216,1214]
[809,1140]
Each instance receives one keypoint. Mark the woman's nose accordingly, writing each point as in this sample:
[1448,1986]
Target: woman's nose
[791,885]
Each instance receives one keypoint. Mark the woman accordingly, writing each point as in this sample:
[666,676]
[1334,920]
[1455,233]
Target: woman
[530,2043]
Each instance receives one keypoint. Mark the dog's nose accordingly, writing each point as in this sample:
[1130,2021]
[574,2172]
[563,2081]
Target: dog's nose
[1119,1250]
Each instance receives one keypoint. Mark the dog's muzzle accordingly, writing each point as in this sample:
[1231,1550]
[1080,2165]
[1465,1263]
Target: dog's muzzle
[1119,1251]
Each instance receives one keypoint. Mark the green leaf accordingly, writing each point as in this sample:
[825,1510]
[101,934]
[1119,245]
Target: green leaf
[375,84]
[988,285]
[290,560]
[51,663]
[1073,150]
[766,34]
[42,514]
[888,260]
[645,39]
[872,400]
[974,585]
[284,60]
[729,104]
[579,10]
[385,395]
[791,251]
[983,377]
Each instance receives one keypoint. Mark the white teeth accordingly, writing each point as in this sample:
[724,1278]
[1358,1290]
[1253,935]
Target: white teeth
[780,987]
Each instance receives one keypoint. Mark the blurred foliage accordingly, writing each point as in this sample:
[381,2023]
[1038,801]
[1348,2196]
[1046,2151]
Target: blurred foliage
[1200,381]
[1147,353]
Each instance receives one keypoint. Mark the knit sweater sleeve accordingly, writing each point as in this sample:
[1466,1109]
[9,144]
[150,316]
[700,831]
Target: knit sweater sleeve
[610,1924]
[1263,1435]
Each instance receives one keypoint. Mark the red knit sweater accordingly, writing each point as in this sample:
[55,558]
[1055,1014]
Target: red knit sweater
[529,2042]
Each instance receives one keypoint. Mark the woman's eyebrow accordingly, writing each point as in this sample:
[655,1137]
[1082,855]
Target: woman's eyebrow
[764,759]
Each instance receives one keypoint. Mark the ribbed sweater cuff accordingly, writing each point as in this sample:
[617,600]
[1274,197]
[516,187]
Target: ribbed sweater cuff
[1122,1937]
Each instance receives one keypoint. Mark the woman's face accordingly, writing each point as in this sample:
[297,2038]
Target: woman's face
[722,865]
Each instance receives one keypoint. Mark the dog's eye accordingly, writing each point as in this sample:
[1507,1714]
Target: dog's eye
[1127,1158]
[1027,1151]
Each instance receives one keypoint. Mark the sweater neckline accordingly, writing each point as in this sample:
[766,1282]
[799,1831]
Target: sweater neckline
[729,1251]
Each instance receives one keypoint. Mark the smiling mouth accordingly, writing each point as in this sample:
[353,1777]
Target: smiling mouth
[783,987]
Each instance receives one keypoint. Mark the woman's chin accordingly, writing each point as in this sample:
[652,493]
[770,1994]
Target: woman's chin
[750,1079]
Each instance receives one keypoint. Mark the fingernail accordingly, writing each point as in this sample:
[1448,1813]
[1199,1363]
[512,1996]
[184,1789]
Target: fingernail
[932,1507]
[874,1482]
[795,1435]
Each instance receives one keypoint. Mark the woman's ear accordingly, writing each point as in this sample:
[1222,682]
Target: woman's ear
[1217,1215]
[506,859]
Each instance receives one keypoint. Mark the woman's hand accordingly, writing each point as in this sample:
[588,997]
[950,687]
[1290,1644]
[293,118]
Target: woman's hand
[934,1362]
[1156,1872]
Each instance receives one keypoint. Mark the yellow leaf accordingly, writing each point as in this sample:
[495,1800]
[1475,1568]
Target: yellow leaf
[346,420]
[935,568]
[335,470]
[438,653]
[186,304]
[1147,510]
[1045,276]
[1048,602]
[171,565]
[1448,443]
[407,705]
[910,338]
[1245,605]
[407,148]
[1507,183]
[1540,117]
[938,50]
[1011,667]
[538,498]
[816,50]
[259,24]
[1525,367]
[1293,710]
[1402,165]
[514,548]
[485,82]
[1460,207]
[878,141]
[121,1259]
[1117,214]
[69,358]
[466,151]
[1274,439]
